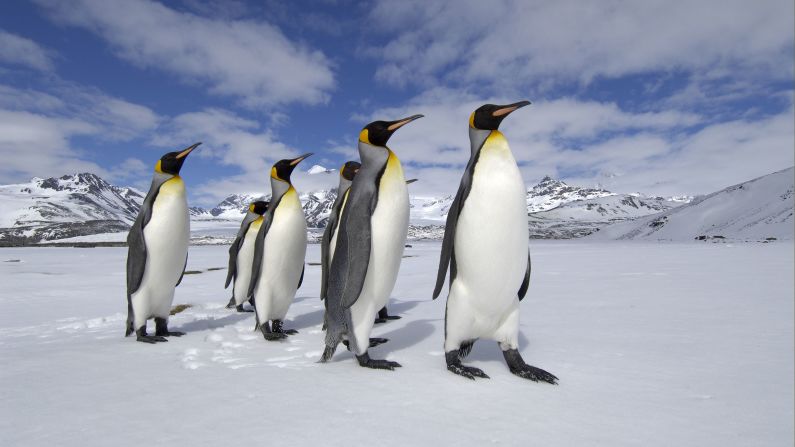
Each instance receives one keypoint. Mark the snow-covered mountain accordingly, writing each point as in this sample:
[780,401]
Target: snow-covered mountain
[72,205]
[550,193]
[759,209]
[317,169]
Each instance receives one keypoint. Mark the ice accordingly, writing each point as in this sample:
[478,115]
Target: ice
[654,345]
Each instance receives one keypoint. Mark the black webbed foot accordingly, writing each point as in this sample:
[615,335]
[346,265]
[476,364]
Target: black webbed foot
[270,335]
[240,308]
[367,362]
[140,335]
[518,367]
[161,329]
[454,365]
[278,327]
[383,316]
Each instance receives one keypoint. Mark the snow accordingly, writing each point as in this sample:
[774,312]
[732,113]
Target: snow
[317,169]
[654,345]
[754,210]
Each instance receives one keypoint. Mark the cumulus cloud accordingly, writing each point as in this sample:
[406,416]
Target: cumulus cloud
[669,152]
[250,60]
[513,42]
[18,50]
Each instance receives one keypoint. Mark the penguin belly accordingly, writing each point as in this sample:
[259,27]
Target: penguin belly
[283,260]
[166,237]
[245,259]
[491,244]
[389,228]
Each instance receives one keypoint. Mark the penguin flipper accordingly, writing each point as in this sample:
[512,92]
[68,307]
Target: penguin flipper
[526,282]
[184,267]
[136,246]
[450,226]
[354,238]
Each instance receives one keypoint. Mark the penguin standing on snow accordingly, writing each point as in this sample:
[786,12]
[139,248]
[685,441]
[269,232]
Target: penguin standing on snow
[486,246]
[241,255]
[158,250]
[279,251]
[369,245]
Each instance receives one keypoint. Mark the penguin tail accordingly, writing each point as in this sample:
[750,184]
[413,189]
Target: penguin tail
[231,303]
[130,328]
[327,354]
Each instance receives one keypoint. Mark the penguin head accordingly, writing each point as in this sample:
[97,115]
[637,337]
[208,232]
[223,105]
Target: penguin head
[377,133]
[489,116]
[259,207]
[171,163]
[282,169]
[349,170]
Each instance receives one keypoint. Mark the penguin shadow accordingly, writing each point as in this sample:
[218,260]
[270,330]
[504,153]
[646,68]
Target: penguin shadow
[213,323]
[490,351]
[408,335]
[399,307]
[307,320]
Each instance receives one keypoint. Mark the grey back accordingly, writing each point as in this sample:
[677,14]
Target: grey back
[328,233]
[234,249]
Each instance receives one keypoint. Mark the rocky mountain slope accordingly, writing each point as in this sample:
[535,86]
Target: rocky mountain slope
[84,204]
[757,210]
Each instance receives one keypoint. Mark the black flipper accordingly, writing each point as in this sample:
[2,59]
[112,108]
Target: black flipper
[526,281]
[136,246]
[325,244]
[352,253]
[184,267]
[452,221]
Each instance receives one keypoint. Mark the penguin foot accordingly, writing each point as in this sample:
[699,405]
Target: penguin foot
[373,342]
[454,365]
[152,339]
[367,362]
[278,327]
[140,335]
[270,335]
[240,308]
[383,316]
[519,368]
[161,329]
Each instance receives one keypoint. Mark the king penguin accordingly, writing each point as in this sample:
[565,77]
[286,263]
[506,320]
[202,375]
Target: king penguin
[158,250]
[241,255]
[279,251]
[486,247]
[369,245]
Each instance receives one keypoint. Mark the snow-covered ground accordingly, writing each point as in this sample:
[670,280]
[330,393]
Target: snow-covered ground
[654,345]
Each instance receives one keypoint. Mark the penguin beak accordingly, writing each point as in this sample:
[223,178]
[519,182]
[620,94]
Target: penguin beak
[397,124]
[295,161]
[508,108]
[187,151]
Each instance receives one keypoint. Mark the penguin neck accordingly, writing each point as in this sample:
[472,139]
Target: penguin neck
[477,137]
[278,189]
[344,185]
[373,157]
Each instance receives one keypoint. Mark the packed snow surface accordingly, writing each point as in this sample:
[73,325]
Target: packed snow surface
[654,345]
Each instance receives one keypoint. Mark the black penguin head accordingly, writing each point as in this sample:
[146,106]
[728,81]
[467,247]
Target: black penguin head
[377,133]
[171,163]
[489,116]
[259,207]
[283,168]
[349,170]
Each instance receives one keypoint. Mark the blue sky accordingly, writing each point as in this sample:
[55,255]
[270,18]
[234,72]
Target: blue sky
[662,97]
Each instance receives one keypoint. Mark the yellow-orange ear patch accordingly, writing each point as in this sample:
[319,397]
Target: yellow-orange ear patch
[274,173]
[364,136]
[472,120]
[158,166]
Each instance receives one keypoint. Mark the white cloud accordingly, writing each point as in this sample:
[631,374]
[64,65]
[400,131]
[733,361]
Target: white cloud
[252,61]
[589,142]
[511,43]
[18,50]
